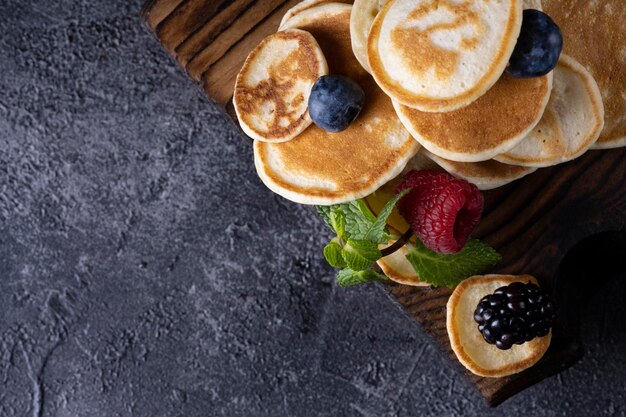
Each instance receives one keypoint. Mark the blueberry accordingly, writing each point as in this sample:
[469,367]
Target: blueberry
[335,102]
[538,47]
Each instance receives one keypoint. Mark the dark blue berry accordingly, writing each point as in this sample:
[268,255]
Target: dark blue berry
[538,47]
[335,102]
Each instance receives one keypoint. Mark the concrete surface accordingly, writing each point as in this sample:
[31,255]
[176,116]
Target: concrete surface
[146,271]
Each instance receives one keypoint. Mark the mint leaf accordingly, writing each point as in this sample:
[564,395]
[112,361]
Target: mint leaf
[377,232]
[350,278]
[359,218]
[338,223]
[360,254]
[449,270]
[332,253]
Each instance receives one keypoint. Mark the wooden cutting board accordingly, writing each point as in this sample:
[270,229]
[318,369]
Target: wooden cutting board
[566,225]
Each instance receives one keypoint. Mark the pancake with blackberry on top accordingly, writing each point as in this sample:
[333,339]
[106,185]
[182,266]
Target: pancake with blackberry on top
[503,334]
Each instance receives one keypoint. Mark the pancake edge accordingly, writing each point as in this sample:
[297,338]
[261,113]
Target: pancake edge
[291,194]
[482,184]
[595,96]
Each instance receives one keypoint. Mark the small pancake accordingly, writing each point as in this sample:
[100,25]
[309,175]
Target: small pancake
[491,125]
[273,87]
[468,344]
[398,269]
[486,175]
[594,34]
[307,4]
[363,14]
[441,55]
[571,123]
[325,168]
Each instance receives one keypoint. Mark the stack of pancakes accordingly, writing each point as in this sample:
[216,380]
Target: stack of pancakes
[433,76]
[437,97]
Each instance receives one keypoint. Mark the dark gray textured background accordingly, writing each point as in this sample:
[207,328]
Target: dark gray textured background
[146,271]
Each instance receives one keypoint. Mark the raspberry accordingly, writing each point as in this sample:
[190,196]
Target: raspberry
[442,210]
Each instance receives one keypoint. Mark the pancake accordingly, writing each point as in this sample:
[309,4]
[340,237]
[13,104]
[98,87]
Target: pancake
[473,352]
[491,125]
[594,34]
[486,175]
[441,55]
[307,4]
[272,89]
[363,14]
[325,168]
[398,269]
[571,123]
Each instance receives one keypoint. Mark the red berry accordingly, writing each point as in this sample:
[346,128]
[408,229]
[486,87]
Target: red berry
[442,210]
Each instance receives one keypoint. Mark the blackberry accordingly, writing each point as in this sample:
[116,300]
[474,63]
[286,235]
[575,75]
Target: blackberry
[514,314]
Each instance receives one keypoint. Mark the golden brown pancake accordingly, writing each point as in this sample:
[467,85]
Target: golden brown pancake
[441,55]
[325,168]
[594,34]
[491,125]
[486,175]
[570,125]
[468,344]
[307,4]
[273,87]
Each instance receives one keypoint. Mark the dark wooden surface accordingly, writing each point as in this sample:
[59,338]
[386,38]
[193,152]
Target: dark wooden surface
[577,208]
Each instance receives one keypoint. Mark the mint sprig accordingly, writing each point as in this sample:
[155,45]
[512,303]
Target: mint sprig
[358,231]
[359,255]
[447,270]
[349,278]
[358,234]
[358,217]
[378,231]
[332,253]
